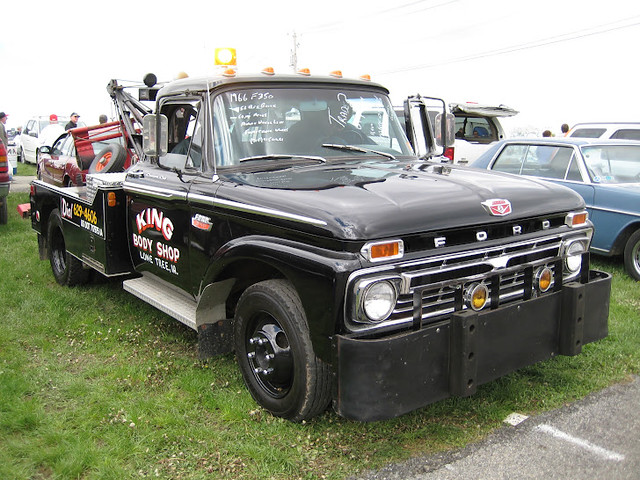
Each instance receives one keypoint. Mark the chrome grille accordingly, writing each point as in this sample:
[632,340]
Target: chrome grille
[438,283]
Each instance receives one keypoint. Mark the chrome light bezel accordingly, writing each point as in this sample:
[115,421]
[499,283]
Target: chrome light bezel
[363,289]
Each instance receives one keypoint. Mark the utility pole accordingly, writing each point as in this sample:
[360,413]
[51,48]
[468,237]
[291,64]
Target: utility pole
[294,53]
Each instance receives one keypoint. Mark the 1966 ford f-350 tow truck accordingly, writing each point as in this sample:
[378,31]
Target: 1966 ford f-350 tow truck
[287,218]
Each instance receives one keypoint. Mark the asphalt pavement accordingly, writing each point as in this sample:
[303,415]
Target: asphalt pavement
[20,183]
[597,437]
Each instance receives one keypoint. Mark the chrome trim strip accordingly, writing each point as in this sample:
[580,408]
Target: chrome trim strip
[155,192]
[622,212]
[243,207]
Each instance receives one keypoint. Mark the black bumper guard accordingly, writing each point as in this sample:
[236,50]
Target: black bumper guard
[380,378]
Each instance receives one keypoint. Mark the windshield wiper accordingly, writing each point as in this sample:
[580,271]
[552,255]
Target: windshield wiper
[357,149]
[282,156]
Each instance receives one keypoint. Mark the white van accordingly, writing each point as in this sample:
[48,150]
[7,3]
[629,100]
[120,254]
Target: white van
[617,130]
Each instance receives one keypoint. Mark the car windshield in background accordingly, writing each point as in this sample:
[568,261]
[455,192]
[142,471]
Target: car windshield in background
[613,163]
[278,122]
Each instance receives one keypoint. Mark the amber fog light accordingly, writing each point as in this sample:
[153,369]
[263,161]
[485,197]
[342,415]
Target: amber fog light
[476,296]
[544,279]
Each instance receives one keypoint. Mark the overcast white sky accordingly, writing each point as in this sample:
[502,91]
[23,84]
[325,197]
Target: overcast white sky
[554,61]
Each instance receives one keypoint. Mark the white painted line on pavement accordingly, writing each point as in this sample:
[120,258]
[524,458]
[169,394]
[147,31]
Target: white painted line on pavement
[602,452]
[515,419]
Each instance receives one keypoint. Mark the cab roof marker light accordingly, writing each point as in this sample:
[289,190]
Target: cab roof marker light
[304,71]
[336,73]
[576,219]
[366,76]
[229,72]
[268,71]
[380,251]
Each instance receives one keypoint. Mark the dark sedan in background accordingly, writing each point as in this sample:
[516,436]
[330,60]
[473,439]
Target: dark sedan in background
[605,172]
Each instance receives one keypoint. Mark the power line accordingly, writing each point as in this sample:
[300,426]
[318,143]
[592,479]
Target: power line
[395,9]
[525,46]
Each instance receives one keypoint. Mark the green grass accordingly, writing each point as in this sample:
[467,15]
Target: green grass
[95,384]
[26,169]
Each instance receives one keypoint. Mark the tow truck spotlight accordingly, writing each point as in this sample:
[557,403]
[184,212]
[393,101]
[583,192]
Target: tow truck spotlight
[225,56]
[476,296]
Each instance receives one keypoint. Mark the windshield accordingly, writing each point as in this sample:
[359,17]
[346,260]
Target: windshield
[322,122]
[613,163]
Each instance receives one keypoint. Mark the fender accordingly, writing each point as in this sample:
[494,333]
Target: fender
[318,275]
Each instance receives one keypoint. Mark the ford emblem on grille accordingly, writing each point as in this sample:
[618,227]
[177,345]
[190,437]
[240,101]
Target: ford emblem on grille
[498,207]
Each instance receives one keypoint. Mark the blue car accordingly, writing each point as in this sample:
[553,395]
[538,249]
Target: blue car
[606,173]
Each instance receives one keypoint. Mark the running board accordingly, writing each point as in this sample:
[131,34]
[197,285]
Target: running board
[165,297]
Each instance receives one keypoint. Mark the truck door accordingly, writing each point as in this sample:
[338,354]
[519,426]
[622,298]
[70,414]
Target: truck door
[159,212]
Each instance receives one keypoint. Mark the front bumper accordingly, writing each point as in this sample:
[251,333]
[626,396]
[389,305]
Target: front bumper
[385,377]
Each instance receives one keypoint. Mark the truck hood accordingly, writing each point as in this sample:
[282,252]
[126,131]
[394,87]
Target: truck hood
[380,200]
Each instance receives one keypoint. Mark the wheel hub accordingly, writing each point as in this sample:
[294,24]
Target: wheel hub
[269,355]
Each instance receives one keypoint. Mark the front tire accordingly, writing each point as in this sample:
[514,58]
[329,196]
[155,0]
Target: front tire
[275,355]
[632,255]
[67,269]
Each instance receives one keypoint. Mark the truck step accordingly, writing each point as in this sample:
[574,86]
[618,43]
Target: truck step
[164,297]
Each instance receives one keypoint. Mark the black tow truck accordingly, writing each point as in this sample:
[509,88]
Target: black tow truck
[287,218]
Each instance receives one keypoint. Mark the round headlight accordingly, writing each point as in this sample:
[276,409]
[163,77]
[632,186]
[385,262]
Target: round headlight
[378,301]
[573,258]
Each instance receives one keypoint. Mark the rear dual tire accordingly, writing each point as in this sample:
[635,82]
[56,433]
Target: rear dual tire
[67,269]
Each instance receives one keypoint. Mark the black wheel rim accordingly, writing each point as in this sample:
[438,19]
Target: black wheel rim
[58,254]
[269,355]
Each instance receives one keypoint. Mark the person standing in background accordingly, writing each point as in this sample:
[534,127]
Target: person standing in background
[102,119]
[3,130]
[73,123]
[564,129]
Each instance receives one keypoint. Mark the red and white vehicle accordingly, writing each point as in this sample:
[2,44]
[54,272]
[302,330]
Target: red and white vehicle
[95,149]
[5,183]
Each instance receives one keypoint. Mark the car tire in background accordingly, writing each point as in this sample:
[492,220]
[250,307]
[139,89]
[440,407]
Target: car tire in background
[108,160]
[4,211]
[632,255]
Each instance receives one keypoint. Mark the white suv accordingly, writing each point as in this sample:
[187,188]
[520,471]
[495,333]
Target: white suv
[477,127]
[618,130]
[40,131]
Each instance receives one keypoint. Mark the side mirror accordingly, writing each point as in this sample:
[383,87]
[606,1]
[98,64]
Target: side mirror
[45,149]
[445,125]
[33,134]
[155,135]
